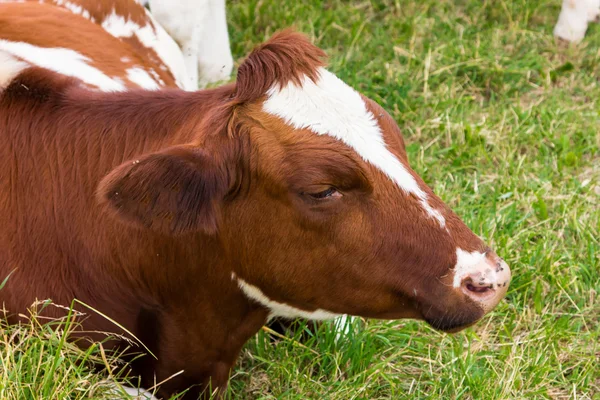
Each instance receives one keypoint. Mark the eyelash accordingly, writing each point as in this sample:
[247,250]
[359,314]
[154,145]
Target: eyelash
[325,194]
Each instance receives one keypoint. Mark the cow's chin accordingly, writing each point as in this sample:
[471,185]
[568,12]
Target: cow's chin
[450,326]
[456,321]
[447,323]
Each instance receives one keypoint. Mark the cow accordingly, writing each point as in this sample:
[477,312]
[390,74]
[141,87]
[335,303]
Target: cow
[200,29]
[148,56]
[193,217]
[574,17]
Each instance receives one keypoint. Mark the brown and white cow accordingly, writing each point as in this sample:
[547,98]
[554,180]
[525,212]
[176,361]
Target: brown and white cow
[141,52]
[191,218]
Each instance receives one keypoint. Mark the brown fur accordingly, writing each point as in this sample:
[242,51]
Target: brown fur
[50,25]
[288,56]
[143,204]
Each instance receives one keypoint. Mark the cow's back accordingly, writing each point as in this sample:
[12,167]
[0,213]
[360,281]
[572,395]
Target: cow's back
[105,56]
[130,22]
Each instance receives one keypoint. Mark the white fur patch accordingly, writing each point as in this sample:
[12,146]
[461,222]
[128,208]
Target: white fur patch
[64,61]
[156,39]
[200,27]
[119,27]
[138,393]
[574,17]
[10,67]
[342,325]
[281,309]
[466,263]
[75,9]
[142,78]
[330,107]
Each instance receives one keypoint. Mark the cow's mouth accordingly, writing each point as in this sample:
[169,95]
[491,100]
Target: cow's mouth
[477,291]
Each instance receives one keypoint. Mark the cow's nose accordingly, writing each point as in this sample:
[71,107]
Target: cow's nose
[487,281]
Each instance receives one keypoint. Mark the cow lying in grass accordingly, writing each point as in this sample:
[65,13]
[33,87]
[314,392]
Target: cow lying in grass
[191,218]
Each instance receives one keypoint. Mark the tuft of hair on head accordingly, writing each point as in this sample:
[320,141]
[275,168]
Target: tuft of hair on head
[286,56]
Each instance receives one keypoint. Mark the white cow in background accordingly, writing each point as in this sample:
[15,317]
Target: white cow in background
[200,29]
[574,18]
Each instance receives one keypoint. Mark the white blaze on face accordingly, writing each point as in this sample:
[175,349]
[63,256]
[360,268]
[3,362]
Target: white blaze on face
[280,309]
[330,107]
[155,39]
[64,61]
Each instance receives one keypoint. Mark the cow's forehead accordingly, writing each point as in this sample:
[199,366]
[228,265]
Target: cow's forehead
[328,106]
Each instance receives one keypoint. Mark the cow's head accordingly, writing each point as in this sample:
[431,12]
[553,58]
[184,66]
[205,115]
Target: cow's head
[307,185]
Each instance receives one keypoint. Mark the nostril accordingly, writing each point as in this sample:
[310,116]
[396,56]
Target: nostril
[477,289]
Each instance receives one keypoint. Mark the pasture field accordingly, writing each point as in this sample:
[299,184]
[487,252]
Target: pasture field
[504,124]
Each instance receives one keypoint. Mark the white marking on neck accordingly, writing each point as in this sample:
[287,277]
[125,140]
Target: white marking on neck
[330,107]
[10,67]
[64,61]
[466,263]
[281,309]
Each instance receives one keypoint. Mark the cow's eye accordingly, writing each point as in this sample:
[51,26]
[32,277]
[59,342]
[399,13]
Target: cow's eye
[328,193]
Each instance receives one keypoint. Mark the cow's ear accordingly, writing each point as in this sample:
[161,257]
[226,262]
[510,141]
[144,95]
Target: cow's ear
[174,191]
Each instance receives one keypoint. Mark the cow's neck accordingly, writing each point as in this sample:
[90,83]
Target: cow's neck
[206,322]
[145,121]
[214,315]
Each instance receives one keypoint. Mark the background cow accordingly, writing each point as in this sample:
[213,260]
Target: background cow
[200,28]
[192,218]
[145,55]
[574,18]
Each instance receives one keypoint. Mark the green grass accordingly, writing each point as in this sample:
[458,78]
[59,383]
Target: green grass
[504,124]
[38,362]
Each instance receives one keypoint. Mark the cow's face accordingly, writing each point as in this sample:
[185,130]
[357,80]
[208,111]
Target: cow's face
[335,220]
[317,208]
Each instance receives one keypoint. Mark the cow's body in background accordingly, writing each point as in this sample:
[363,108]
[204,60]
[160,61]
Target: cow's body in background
[147,56]
[200,28]
[191,218]
[189,38]
[574,17]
